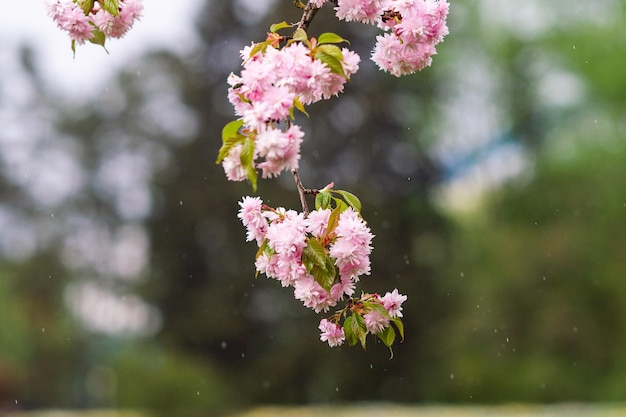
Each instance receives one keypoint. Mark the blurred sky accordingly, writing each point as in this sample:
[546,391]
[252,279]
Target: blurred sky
[166,24]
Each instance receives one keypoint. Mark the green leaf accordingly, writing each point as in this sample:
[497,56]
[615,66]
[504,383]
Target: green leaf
[315,252]
[300,36]
[111,6]
[340,204]
[259,47]
[298,105]
[86,5]
[231,128]
[330,37]
[278,26]
[230,138]
[323,277]
[331,50]
[247,161]
[348,331]
[322,200]
[333,221]
[98,38]
[261,248]
[373,305]
[227,145]
[332,62]
[359,323]
[387,336]
[352,200]
[399,326]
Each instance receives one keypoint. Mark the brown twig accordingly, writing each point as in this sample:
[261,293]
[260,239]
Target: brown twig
[307,16]
[302,192]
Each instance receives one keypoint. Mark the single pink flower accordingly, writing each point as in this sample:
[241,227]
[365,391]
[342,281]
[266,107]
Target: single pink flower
[331,333]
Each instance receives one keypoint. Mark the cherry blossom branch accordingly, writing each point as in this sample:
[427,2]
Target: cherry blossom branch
[308,14]
[302,192]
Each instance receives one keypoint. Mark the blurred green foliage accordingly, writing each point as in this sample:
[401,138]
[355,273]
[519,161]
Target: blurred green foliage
[521,299]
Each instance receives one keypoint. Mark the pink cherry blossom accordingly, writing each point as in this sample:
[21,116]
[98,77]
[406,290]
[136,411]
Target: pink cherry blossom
[116,26]
[232,164]
[375,322]
[70,17]
[331,333]
[417,29]
[352,247]
[80,26]
[253,219]
[317,222]
[312,294]
[281,150]
[365,11]
[392,301]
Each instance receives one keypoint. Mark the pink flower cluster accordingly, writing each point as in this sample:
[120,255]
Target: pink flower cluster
[415,28]
[81,27]
[265,94]
[375,320]
[284,235]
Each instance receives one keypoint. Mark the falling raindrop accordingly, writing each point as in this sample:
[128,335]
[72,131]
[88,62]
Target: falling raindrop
[180,202]
[223,345]
[451,376]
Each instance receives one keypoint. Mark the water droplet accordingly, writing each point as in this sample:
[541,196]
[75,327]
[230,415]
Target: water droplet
[197,392]
[336,389]
[409,178]
[451,376]
[52,215]
[462,274]
[507,340]
[544,278]
[477,305]
[43,330]
[180,202]
[371,366]
[573,46]
[243,355]
[495,330]
[575,329]
[223,345]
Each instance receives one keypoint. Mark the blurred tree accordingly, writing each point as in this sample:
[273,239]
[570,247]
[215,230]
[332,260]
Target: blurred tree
[143,209]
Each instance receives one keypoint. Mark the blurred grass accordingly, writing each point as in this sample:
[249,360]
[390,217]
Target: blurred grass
[514,410]
[385,410]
